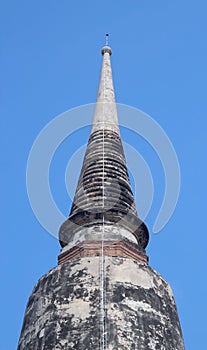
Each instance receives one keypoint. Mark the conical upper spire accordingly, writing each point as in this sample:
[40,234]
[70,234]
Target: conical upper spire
[103,197]
[105,116]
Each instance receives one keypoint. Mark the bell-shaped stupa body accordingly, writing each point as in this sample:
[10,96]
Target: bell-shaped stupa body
[103,294]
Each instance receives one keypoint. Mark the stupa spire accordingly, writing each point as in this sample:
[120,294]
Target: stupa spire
[104,195]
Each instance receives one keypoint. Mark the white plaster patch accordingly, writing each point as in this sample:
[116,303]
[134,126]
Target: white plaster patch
[127,273]
[79,308]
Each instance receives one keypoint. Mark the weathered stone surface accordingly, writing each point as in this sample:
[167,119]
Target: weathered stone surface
[64,309]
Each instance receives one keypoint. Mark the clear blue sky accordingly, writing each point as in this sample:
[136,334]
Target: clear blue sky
[50,62]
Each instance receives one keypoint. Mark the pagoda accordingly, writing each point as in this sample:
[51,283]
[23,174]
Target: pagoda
[103,294]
